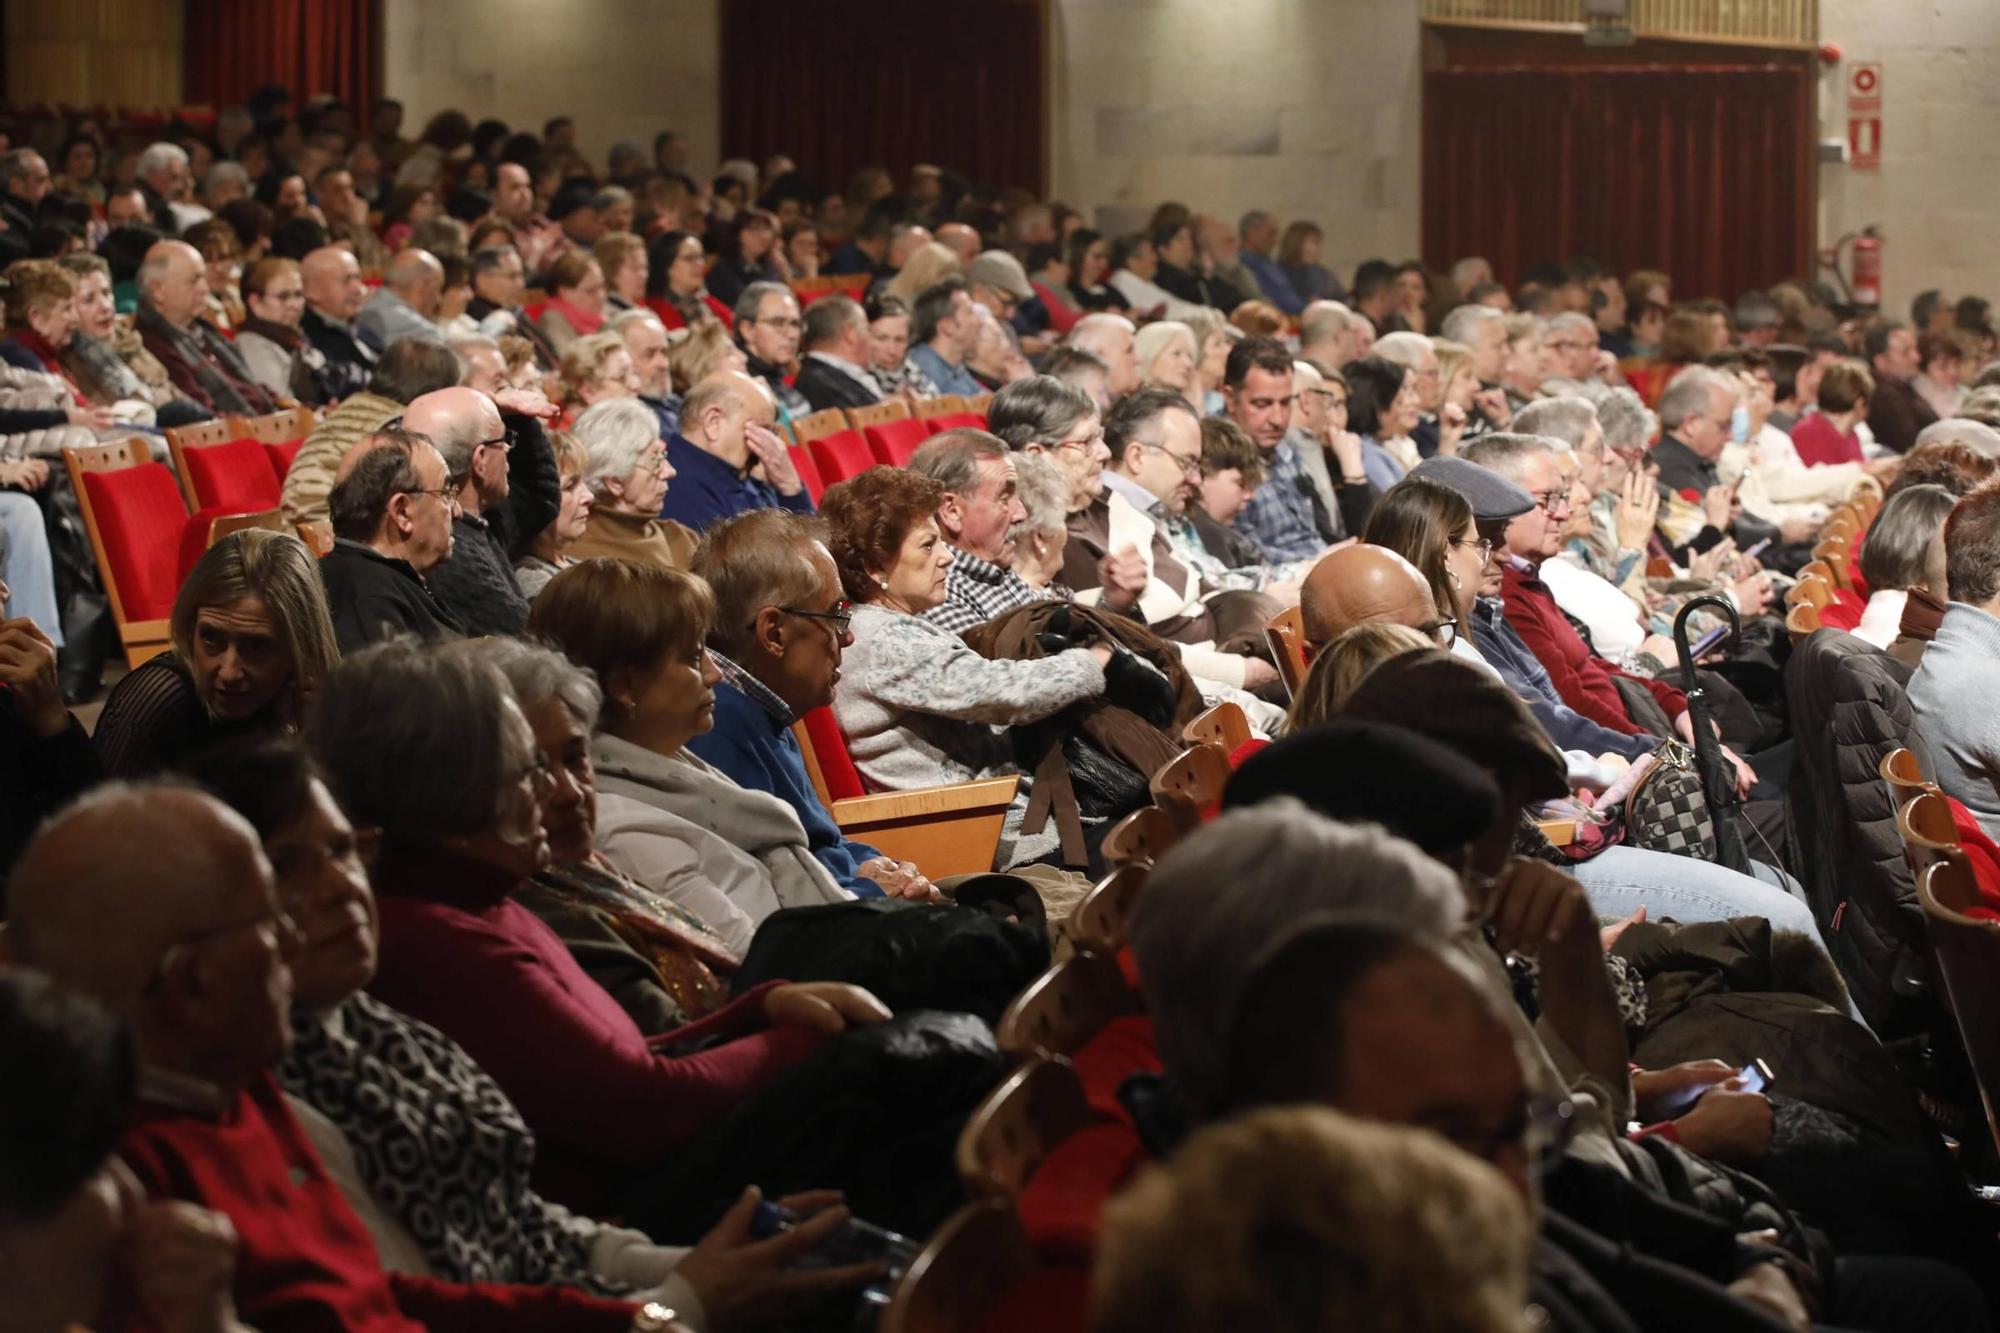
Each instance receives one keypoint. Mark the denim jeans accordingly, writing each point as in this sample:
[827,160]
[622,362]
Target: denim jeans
[25,565]
[1620,880]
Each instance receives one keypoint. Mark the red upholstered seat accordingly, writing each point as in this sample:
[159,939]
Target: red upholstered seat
[843,779]
[1982,854]
[1048,1300]
[140,517]
[841,455]
[1844,611]
[802,461]
[956,421]
[235,476]
[281,456]
[894,441]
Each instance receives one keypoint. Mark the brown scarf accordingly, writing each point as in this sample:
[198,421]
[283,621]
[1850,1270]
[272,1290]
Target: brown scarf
[1922,613]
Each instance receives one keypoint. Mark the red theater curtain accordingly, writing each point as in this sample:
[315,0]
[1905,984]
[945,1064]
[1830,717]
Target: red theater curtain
[1702,172]
[235,47]
[892,82]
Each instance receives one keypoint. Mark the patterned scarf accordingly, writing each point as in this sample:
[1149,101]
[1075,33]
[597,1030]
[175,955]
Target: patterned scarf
[438,1144]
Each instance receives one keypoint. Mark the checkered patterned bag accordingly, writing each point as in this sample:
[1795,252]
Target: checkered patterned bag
[1668,810]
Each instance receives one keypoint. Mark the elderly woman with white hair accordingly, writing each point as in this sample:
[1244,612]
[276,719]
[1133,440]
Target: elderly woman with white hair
[1044,493]
[549,554]
[626,471]
[1168,359]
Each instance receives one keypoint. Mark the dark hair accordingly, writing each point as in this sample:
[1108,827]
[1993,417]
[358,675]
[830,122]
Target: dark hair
[933,307]
[1419,519]
[659,258]
[266,779]
[358,501]
[1372,385]
[1137,411]
[613,616]
[1080,242]
[1787,360]
[827,318]
[881,305]
[1312,970]
[298,236]
[71,1074]
[124,249]
[1041,255]
[1875,341]
[1225,445]
[1126,246]
[1972,547]
[1163,235]
[411,368]
[1372,276]
[1900,537]
[1265,354]
[867,518]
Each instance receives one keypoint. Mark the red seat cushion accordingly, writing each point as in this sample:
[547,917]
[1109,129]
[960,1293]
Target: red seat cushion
[1048,1300]
[802,462]
[841,455]
[140,517]
[1982,854]
[1121,1048]
[1843,612]
[894,441]
[1062,1204]
[958,421]
[281,456]
[843,779]
[235,476]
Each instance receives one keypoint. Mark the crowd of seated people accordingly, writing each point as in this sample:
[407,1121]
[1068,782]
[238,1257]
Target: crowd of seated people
[513,874]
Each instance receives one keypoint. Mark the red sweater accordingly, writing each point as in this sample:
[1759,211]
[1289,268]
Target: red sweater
[305,1263]
[1818,442]
[1582,678]
[460,954]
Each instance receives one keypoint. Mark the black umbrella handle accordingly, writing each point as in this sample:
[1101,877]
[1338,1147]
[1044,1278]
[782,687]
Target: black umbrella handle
[1718,777]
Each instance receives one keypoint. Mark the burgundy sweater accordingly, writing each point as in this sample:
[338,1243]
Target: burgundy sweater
[460,954]
[1582,678]
[305,1263]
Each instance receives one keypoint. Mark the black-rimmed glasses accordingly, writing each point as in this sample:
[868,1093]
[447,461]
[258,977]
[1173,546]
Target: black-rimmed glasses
[841,617]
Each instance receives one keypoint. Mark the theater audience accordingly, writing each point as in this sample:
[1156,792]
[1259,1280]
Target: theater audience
[391,511]
[918,707]
[1827,437]
[406,372]
[202,363]
[405,305]
[676,270]
[575,309]
[1282,518]
[1695,415]
[889,347]
[943,330]
[1896,555]
[106,359]
[331,280]
[729,854]
[46,756]
[1166,352]
[199,971]
[251,641]
[622,258]
[1896,411]
[778,635]
[270,340]
[1378,1207]
[837,346]
[474,583]
[79,1245]
[596,367]
[462,832]
[627,472]
[980,518]
[726,436]
[549,553]
[1952,690]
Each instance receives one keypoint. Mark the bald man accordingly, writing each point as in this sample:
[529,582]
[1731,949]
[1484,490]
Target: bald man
[726,433]
[334,292]
[1113,340]
[406,304]
[961,240]
[476,583]
[1360,585]
[204,365]
[199,968]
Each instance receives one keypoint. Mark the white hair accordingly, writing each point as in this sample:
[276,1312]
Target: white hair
[1404,349]
[619,322]
[158,157]
[1279,861]
[1092,330]
[1462,324]
[614,433]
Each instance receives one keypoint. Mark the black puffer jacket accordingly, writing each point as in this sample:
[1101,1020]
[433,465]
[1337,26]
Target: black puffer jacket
[1849,709]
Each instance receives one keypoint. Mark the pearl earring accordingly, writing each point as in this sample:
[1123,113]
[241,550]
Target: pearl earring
[883,584]
[1454,579]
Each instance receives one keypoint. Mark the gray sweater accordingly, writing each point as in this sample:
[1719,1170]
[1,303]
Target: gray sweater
[1953,696]
[920,709]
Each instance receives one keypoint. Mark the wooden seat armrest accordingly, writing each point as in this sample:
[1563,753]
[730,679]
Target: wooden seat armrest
[1559,832]
[948,830]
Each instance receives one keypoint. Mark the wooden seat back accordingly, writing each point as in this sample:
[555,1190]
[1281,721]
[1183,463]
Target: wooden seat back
[1065,1007]
[1013,1131]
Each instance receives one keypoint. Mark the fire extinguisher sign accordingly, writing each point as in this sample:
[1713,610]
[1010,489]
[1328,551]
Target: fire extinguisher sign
[1864,116]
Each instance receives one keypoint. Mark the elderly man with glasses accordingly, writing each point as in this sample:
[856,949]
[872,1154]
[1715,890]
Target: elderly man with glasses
[1288,517]
[392,506]
[485,454]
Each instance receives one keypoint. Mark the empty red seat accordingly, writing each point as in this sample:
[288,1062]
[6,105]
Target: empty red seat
[235,476]
[140,516]
[894,441]
[841,455]
[836,766]
[802,463]
[281,456]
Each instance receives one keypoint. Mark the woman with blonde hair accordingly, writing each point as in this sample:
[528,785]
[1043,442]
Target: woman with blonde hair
[594,370]
[622,258]
[1258,319]
[252,639]
[928,265]
[1165,351]
[548,555]
[1213,337]
[693,354]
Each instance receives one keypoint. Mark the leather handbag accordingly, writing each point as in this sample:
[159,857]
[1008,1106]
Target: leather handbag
[1668,809]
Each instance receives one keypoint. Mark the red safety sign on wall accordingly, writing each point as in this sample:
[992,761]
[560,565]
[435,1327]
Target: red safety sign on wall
[1864,116]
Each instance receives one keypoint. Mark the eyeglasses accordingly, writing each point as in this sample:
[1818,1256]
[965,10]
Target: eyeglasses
[1086,444]
[840,617]
[539,773]
[1483,545]
[1550,502]
[1191,466]
[782,321]
[1444,631]
[504,441]
[275,927]
[1541,1132]
[446,495]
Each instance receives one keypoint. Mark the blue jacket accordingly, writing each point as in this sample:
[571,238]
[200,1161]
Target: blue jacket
[945,376]
[705,490]
[759,753]
[1524,674]
[1278,289]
